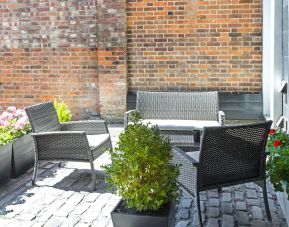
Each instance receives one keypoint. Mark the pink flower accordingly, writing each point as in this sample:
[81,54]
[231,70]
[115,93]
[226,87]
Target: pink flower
[6,116]
[19,113]
[20,124]
[11,109]
[3,123]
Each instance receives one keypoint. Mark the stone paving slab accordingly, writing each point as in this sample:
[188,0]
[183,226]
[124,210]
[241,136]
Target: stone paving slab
[63,197]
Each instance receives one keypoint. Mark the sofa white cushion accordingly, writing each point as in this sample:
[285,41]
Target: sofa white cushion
[180,124]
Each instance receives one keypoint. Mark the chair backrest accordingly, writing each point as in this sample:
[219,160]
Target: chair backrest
[233,153]
[43,117]
[178,105]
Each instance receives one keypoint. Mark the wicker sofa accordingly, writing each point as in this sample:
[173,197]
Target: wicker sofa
[179,115]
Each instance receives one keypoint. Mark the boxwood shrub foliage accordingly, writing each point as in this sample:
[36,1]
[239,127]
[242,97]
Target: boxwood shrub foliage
[141,170]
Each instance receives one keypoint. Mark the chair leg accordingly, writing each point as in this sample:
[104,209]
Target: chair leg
[199,208]
[93,175]
[35,172]
[264,189]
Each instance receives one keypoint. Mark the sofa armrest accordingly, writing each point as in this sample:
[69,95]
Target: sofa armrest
[127,115]
[91,127]
[221,118]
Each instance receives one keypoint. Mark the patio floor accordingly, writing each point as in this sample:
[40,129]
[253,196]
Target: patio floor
[63,198]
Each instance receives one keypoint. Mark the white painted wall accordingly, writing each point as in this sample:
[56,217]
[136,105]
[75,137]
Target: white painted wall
[272,59]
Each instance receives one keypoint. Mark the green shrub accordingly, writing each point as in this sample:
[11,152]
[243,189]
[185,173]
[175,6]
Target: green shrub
[63,112]
[141,169]
[278,160]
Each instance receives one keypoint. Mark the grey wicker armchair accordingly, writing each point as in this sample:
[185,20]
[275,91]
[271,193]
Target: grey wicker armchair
[228,155]
[72,141]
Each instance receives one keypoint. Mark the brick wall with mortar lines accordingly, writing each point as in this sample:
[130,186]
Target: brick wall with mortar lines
[112,63]
[195,45]
[50,50]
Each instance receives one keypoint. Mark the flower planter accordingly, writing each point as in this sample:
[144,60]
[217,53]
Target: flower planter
[284,203]
[5,163]
[127,218]
[22,155]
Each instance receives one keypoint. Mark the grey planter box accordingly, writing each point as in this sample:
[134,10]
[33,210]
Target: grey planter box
[22,155]
[139,220]
[5,163]
[284,204]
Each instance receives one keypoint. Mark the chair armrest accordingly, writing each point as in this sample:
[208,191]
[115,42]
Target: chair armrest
[127,115]
[91,127]
[59,145]
[221,118]
[60,133]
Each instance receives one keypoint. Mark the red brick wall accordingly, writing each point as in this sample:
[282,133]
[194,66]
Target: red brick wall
[195,45]
[50,50]
[112,64]
[88,53]
[35,75]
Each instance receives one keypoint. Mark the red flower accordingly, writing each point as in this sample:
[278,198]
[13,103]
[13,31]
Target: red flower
[272,131]
[277,143]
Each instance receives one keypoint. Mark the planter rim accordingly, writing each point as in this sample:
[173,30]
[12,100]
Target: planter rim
[16,139]
[114,210]
[21,136]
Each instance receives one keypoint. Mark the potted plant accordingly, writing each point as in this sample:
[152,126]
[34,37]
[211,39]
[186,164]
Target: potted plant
[278,166]
[143,175]
[18,152]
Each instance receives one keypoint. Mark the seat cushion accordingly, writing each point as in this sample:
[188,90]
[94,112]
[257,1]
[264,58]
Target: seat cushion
[96,140]
[194,154]
[180,124]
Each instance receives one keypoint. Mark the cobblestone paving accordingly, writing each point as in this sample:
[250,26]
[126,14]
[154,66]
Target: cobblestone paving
[240,205]
[63,197]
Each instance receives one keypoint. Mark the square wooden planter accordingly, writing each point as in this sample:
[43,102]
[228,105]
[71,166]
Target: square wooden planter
[22,155]
[120,219]
[5,163]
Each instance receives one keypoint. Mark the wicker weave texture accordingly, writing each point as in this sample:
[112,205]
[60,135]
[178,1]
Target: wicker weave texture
[233,153]
[44,117]
[89,127]
[62,146]
[178,105]
[188,172]
[179,137]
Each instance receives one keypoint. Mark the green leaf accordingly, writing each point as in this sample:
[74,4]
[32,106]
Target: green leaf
[278,161]
[63,112]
